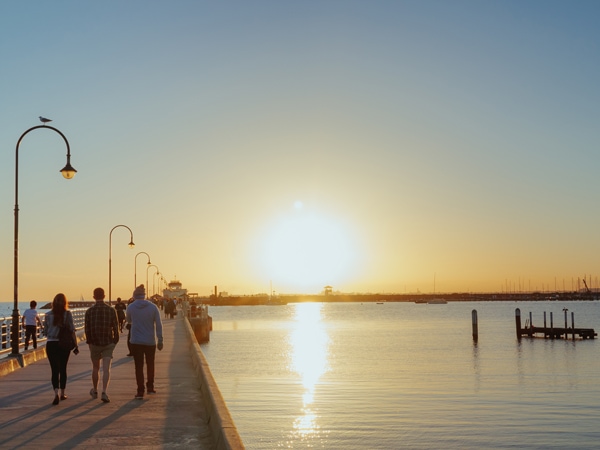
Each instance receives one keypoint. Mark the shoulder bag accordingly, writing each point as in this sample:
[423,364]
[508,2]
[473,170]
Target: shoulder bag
[65,337]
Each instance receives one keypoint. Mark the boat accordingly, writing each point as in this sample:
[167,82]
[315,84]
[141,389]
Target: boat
[437,301]
[274,301]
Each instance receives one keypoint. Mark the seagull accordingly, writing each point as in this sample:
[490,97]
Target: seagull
[44,120]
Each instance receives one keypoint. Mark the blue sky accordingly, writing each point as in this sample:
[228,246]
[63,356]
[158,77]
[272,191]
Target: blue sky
[363,145]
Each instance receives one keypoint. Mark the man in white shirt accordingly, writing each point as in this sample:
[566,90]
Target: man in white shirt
[30,321]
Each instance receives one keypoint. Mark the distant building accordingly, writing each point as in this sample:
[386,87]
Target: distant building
[175,291]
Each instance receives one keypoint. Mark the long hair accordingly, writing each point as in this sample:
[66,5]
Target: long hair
[59,306]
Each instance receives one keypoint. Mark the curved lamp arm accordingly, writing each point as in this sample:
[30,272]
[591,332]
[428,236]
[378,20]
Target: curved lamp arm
[131,245]
[135,267]
[147,268]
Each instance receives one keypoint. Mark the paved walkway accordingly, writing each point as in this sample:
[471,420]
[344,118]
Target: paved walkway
[174,417]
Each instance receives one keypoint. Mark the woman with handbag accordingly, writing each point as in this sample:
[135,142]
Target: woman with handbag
[58,327]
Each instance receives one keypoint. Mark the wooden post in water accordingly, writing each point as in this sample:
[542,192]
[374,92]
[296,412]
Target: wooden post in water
[551,325]
[518,322]
[475,327]
[573,324]
[530,324]
[565,310]
[545,329]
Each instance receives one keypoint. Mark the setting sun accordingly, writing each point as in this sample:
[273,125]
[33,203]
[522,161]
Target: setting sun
[305,251]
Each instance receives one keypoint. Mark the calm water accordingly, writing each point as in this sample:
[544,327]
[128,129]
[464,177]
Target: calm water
[6,308]
[402,375]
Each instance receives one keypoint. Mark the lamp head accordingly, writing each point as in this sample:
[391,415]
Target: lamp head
[68,171]
[131,244]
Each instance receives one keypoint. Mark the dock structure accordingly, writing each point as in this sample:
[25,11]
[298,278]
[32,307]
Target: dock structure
[186,412]
[550,331]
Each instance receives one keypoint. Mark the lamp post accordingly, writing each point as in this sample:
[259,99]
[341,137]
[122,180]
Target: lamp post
[157,271]
[162,282]
[154,277]
[131,245]
[68,172]
[135,269]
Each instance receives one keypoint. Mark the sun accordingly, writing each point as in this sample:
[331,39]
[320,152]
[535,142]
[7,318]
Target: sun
[301,252]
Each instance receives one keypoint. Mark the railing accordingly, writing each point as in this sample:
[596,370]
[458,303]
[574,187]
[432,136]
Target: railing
[6,323]
[193,310]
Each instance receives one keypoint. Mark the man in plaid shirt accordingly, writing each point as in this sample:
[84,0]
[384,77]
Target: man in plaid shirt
[102,335]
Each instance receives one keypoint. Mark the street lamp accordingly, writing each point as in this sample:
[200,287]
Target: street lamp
[148,267]
[131,245]
[161,282]
[135,267]
[155,277]
[68,172]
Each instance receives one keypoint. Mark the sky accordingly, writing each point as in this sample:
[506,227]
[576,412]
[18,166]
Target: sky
[372,146]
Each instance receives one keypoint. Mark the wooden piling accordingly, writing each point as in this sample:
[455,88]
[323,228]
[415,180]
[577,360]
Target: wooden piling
[518,322]
[530,324]
[475,325]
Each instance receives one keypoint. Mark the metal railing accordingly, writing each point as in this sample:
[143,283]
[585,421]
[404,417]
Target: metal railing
[6,323]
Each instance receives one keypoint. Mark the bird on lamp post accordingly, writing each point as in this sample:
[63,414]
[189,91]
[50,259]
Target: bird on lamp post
[44,120]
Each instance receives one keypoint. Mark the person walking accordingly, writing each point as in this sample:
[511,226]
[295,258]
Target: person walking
[128,326]
[58,357]
[171,308]
[30,321]
[120,307]
[102,335]
[146,337]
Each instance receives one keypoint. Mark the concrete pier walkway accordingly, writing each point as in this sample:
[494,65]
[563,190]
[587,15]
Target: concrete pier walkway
[174,417]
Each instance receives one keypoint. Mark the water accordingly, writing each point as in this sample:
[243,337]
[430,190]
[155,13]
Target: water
[6,308]
[401,375]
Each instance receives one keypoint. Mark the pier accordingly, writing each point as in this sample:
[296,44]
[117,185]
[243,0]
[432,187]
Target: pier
[549,331]
[187,411]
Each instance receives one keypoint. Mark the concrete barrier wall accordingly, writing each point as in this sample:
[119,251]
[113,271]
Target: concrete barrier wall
[220,421]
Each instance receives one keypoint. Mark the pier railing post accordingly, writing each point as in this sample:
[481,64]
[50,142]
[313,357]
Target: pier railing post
[530,324]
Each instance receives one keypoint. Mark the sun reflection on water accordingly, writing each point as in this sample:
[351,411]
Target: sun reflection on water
[309,342]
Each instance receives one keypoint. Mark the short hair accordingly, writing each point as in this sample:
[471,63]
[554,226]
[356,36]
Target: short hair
[99,293]
[32,304]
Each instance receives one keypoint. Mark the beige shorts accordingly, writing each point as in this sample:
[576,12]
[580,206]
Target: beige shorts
[101,351]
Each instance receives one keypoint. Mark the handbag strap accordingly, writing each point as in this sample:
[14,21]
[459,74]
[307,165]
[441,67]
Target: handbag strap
[64,325]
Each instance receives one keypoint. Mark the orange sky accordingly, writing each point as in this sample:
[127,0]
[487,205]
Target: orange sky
[371,147]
